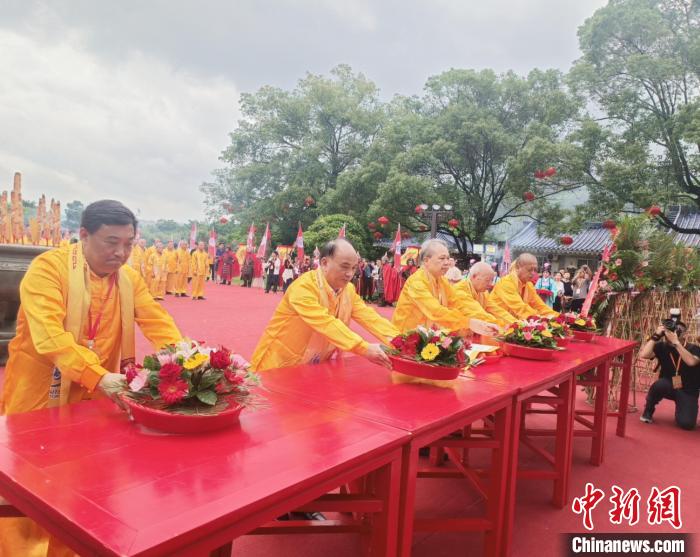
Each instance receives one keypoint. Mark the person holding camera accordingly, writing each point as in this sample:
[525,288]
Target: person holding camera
[679,372]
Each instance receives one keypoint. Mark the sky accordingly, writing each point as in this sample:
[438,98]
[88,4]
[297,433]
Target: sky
[134,100]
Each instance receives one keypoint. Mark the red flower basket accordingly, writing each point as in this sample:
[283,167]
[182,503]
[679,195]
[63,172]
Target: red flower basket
[563,342]
[583,336]
[527,352]
[490,357]
[170,422]
[420,369]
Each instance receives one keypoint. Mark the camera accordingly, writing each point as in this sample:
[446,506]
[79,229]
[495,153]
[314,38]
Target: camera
[671,324]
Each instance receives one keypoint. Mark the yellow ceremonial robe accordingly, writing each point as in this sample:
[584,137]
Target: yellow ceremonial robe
[481,306]
[300,314]
[148,265]
[171,267]
[136,259]
[182,271]
[519,299]
[42,343]
[159,274]
[199,269]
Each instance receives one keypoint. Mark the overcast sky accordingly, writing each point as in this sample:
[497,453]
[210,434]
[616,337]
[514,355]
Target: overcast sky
[133,100]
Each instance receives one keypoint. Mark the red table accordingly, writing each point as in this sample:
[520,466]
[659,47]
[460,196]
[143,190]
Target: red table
[107,487]
[430,414]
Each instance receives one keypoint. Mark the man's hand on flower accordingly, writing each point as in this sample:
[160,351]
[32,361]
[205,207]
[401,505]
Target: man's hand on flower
[376,355]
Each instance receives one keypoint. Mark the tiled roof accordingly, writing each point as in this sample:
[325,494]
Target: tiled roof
[590,241]
[686,218]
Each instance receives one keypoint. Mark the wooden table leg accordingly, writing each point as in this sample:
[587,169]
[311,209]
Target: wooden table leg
[564,442]
[407,501]
[385,525]
[600,417]
[497,504]
[223,551]
[511,480]
[625,383]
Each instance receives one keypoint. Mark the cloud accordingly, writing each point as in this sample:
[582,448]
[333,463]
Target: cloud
[136,129]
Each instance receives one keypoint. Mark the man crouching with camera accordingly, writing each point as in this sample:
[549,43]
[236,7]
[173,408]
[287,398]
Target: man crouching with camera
[679,371]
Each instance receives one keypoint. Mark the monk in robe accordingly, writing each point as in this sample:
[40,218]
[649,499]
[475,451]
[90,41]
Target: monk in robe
[516,294]
[392,282]
[75,331]
[171,268]
[159,273]
[138,254]
[312,322]
[476,291]
[429,299]
[199,268]
[183,269]
[148,263]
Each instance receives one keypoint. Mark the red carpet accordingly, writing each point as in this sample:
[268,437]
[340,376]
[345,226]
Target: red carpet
[651,455]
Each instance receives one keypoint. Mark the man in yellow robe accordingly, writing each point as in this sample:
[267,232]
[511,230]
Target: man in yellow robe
[75,330]
[516,294]
[171,267]
[148,263]
[159,273]
[428,299]
[475,289]
[312,322]
[199,269]
[136,259]
[183,269]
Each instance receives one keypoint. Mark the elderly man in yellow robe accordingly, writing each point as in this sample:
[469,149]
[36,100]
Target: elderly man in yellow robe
[182,270]
[476,290]
[199,269]
[429,299]
[171,267]
[159,272]
[312,322]
[138,255]
[75,330]
[516,294]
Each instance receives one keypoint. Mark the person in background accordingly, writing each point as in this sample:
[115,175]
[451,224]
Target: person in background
[287,274]
[496,274]
[453,274]
[558,292]
[367,280]
[568,291]
[247,269]
[581,284]
[273,273]
[546,282]
[199,269]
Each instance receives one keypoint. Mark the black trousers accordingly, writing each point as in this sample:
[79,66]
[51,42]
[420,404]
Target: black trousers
[272,282]
[577,304]
[686,402]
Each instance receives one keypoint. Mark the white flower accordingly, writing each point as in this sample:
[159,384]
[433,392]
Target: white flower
[139,381]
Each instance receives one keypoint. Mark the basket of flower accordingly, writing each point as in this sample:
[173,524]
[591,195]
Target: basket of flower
[560,330]
[189,388]
[532,339]
[583,328]
[429,353]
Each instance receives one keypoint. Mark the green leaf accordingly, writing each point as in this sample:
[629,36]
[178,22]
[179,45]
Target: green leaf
[207,397]
[151,362]
[208,380]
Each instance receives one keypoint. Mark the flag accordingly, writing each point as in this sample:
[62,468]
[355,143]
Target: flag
[505,263]
[341,232]
[250,241]
[264,242]
[588,302]
[193,236]
[397,248]
[300,244]
[212,245]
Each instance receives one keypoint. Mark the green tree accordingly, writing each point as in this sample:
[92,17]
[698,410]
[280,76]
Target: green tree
[73,212]
[326,228]
[639,71]
[291,148]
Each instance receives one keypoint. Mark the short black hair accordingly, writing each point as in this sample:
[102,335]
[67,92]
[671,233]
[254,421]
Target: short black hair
[106,212]
[328,250]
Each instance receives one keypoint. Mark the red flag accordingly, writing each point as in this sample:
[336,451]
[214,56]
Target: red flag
[397,248]
[588,302]
[193,236]
[264,242]
[250,241]
[341,232]
[212,244]
[300,244]
[505,264]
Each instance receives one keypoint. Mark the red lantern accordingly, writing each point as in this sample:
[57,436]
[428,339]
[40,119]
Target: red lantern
[423,228]
[309,201]
[454,223]
[609,224]
[418,209]
[529,196]
[223,220]
[371,226]
[539,174]
[566,240]
[551,171]
[654,211]
[377,235]
[383,221]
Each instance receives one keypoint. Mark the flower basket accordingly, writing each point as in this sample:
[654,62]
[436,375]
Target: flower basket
[421,369]
[544,292]
[583,336]
[171,422]
[527,352]
[563,342]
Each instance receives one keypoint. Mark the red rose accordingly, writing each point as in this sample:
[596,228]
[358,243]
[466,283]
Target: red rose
[220,359]
[170,372]
[233,377]
[398,342]
[461,357]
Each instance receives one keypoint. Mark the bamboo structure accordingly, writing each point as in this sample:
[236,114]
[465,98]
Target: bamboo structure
[44,229]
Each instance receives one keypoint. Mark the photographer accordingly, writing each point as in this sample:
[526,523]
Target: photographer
[679,375]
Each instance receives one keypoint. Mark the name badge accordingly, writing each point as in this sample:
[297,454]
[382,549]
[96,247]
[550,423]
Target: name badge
[677,382]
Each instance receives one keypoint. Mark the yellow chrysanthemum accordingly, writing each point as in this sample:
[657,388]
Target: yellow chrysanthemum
[195,361]
[430,352]
[547,333]
[581,322]
[556,325]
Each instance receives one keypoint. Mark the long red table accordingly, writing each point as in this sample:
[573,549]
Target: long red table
[107,487]
[430,414]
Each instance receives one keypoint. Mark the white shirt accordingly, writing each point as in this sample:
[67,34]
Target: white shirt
[276,268]
[453,274]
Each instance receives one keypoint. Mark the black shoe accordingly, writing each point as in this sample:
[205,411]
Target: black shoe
[646,417]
